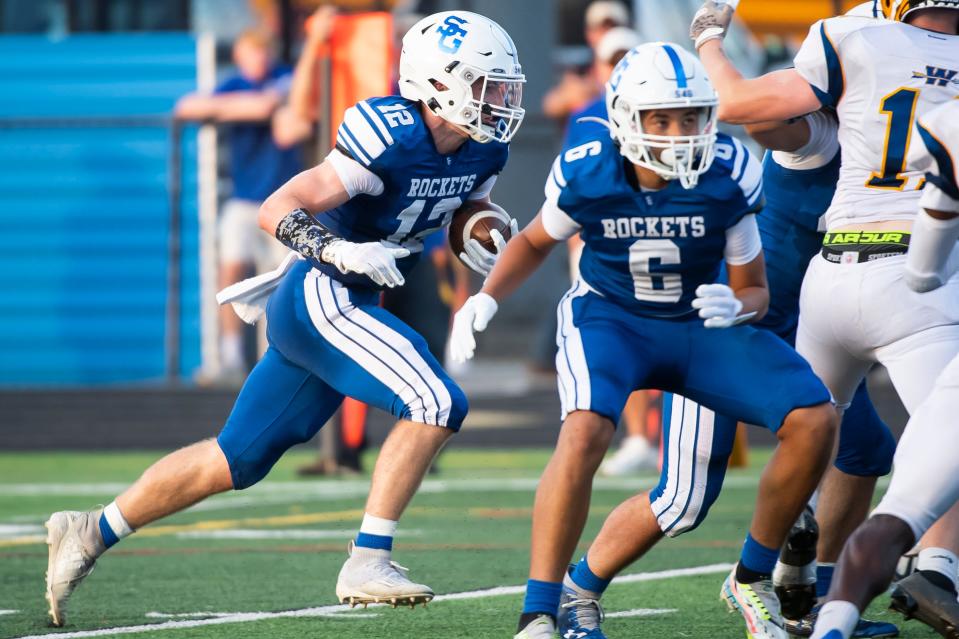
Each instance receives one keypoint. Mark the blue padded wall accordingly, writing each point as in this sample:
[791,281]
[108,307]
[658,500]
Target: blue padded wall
[85,212]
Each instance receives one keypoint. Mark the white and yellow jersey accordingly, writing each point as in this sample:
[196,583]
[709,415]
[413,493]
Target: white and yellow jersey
[938,151]
[879,76]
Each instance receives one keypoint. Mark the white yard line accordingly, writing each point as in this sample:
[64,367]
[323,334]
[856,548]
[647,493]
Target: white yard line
[16,531]
[347,488]
[293,533]
[349,614]
[641,612]
[320,611]
[8,612]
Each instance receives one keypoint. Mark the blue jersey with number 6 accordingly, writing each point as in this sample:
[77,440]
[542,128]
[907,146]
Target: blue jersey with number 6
[422,187]
[649,250]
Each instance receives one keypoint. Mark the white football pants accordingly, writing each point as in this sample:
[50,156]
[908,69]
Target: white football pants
[855,315]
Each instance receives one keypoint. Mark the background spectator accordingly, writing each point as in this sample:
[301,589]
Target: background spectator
[259,164]
[576,89]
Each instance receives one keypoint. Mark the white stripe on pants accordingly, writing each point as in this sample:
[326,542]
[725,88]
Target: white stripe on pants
[571,367]
[384,353]
[687,472]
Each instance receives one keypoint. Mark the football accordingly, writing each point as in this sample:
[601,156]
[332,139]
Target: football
[475,219]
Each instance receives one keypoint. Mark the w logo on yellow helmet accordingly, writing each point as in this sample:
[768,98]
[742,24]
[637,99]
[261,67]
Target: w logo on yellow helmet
[899,9]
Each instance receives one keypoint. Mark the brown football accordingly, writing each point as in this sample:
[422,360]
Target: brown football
[475,219]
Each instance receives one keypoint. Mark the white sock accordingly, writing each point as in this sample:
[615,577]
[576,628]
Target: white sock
[636,440]
[941,560]
[378,526]
[841,616]
[376,533]
[231,351]
[115,522]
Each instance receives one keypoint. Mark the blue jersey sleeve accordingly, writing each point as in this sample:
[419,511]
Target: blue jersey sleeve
[582,174]
[370,131]
[746,173]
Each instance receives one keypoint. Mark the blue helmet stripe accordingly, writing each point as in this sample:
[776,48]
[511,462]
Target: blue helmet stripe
[677,66]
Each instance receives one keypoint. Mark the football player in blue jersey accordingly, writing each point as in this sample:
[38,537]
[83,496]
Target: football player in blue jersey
[401,167]
[661,203]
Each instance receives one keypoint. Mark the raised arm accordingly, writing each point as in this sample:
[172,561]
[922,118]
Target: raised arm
[762,99]
[743,101]
[294,121]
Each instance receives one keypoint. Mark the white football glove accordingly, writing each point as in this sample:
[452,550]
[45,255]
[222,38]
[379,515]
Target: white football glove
[719,306]
[479,259]
[371,259]
[711,21]
[474,316]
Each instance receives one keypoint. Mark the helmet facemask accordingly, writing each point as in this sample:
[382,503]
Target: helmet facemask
[672,157]
[488,103]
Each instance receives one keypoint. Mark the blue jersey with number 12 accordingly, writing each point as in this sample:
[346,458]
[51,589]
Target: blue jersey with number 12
[649,250]
[422,187]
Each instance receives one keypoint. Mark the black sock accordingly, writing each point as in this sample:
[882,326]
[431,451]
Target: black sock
[527,617]
[938,579]
[746,576]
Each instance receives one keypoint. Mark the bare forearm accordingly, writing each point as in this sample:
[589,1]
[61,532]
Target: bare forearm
[518,262]
[316,190]
[246,106]
[781,136]
[289,128]
[241,106]
[194,106]
[748,101]
[754,299]
[305,81]
[278,206]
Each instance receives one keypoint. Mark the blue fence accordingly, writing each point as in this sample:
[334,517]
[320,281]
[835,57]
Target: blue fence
[85,210]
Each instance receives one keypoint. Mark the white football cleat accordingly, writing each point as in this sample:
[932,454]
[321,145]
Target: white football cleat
[758,604]
[369,576]
[543,627]
[73,545]
[634,455]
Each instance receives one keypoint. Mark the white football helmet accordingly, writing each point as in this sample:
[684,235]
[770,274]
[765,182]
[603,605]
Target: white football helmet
[899,9]
[465,69]
[662,75]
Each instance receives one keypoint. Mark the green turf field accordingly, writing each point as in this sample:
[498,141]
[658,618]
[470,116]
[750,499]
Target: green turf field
[263,563]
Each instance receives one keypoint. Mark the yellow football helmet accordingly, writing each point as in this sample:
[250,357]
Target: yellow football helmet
[899,9]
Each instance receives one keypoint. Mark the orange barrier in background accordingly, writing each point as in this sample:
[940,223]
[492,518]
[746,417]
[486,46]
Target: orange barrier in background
[787,18]
[361,56]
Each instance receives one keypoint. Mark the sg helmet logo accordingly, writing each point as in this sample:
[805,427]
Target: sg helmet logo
[451,37]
